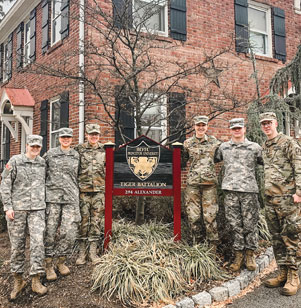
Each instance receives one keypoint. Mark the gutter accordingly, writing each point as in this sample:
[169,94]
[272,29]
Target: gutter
[81,63]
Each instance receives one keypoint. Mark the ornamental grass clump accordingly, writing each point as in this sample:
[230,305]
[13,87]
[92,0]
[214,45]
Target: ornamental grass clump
[263,229]
[144,264]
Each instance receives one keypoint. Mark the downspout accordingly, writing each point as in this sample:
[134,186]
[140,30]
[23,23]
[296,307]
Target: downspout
[81,88]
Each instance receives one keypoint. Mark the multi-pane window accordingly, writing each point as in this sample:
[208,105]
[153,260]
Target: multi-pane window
[56,20]
[26,43]
[55,122]
[154,118]
[260,34]
[151,15]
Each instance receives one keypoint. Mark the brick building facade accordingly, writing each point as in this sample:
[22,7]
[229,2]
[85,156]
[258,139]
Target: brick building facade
[36,34]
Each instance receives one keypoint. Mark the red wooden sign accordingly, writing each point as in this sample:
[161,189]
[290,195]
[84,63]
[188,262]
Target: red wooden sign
[142,167]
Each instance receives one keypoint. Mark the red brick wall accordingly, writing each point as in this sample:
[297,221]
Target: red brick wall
[210,27]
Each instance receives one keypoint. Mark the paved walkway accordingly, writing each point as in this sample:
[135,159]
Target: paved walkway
[267,298]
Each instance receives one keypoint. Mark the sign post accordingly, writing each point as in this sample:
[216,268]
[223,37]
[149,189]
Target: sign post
[109,147]
[142,167]
[177,190]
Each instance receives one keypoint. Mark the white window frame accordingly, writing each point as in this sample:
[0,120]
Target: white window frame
[27,119]
[5,61]
[163,126]
[52,133]
[26,44]
[297,5]
[164,4]
[55,17]
[267,10]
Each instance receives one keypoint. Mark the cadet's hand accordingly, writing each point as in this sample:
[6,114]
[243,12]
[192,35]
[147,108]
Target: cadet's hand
[10,214]
[297,198]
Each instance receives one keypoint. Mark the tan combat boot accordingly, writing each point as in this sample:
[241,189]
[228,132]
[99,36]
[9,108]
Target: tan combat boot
[62,267]
[250,260]
[81,260]
[93,254]
[278,281]
[292,283]
[50,273]
[19,285]
[238,261]
[36,285]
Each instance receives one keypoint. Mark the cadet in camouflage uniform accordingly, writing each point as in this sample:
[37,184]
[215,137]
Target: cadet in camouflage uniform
[23,196]
[62,199]
[200,195]
[239,184]
[92,187]
[282,172]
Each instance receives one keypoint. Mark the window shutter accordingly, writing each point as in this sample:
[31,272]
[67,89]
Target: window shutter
[279,34]
[1,62]
[45,25]
[65,19]
[178,20]
[64,110]
[177,117]
[241,26]
[122,13]
[32,55]
[7,145]
[10,56]
[44,124]
[20,45]
[124,115]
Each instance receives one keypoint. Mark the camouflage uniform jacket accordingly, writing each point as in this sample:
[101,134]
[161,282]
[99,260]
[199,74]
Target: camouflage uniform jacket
[92,167]
[200,154]
[62,176]
[282,166]
[23,184]
[240,160]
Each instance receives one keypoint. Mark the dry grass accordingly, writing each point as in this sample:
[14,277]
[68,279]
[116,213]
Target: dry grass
[263,229]
[144,264]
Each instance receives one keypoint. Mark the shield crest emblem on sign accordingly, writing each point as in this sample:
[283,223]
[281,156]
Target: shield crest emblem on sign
[143,159]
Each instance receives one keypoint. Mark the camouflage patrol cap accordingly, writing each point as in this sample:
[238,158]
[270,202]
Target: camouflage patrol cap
[237,122]
[267,116]
[65,132]
[34,140]
[200,119]
[92,128]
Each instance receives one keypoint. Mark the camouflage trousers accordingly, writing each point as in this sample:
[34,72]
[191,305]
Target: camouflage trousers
[17,230]
[64,217]
[284,221]
[92,210]
[242,213]
[201,203]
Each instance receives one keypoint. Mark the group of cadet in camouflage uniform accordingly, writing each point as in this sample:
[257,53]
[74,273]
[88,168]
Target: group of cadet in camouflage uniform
[73,182]
[281,157]
[59,198]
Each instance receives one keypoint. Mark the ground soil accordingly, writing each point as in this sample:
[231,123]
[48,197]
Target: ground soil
[66,292]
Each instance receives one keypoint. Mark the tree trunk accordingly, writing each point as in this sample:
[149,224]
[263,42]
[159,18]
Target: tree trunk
[140,211]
